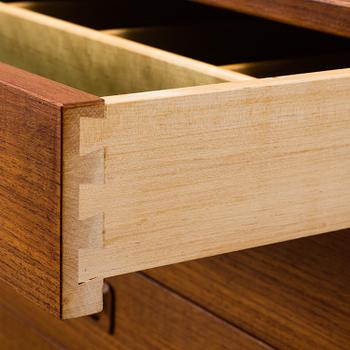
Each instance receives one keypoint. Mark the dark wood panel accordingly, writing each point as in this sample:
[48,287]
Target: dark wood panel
[324,15]
[147,317]
[16,334]
[31,109]
[294,295]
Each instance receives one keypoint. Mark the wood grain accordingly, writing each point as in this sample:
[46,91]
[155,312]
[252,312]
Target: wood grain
[294,295]
[18,334]
[31,112]
[79,299]
[200,171]
[147,317]
[330,16]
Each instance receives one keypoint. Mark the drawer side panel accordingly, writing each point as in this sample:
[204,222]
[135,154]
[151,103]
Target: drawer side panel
[207,170]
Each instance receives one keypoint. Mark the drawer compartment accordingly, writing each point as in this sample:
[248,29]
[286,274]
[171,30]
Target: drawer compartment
[178,160]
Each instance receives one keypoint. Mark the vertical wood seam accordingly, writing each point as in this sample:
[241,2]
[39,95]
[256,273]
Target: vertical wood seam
[79,299]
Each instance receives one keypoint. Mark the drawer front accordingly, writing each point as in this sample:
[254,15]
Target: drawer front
[31,115]
[17,334]
[147,316]
[30,178]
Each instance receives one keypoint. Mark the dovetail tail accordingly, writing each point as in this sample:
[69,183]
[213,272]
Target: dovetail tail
[83,164]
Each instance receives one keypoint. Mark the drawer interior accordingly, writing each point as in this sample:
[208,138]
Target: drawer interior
[94,61]
[236,40]
[219,46]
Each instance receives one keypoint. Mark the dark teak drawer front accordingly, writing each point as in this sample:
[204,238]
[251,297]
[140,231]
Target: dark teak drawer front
[147,316]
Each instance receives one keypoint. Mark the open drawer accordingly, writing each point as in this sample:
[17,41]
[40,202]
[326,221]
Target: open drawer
[180,159]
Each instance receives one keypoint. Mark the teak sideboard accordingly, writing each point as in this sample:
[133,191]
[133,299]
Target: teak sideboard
[135,135]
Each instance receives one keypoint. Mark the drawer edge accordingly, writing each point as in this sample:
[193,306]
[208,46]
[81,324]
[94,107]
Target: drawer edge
[31,116]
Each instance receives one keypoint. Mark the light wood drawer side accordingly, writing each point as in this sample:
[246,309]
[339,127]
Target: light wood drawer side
[201,171]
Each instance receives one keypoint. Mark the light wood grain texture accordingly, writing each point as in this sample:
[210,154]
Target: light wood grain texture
[95,62]
[79,299]
[31,113]
[201,171]
[330,16]
[147,316]
[293,295]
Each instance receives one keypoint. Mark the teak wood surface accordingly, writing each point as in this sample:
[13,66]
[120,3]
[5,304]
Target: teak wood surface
[31,112]
[330,16]
[148,316]
[293,295]
[280,294]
